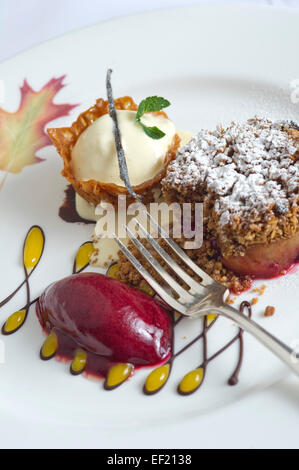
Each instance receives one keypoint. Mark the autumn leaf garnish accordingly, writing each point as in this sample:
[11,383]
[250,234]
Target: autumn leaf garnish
[22,133]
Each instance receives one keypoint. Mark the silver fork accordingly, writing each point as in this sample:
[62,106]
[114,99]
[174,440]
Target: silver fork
[206,297]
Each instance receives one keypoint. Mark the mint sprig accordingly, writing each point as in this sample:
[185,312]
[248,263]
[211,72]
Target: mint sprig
[151,105]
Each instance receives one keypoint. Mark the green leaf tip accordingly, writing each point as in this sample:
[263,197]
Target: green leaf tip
[151,104]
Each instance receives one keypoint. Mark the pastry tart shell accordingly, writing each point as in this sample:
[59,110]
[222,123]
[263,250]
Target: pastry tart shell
[94,191]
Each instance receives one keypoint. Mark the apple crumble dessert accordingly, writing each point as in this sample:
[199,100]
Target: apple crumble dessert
[247,177]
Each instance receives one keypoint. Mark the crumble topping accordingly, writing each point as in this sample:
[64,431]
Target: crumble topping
[247,176]
[260,290]
[207,257]
[269,311]
[248,167]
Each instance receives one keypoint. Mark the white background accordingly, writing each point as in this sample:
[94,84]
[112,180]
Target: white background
[26,23]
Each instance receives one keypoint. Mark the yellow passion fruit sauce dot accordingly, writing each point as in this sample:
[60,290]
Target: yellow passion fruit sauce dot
[156,379]
[191,381]
[117,375]
[79,362]
[177,316]
[49,347]
[210,318]
[113,271]
[83,255]
[33,248]
[14,322]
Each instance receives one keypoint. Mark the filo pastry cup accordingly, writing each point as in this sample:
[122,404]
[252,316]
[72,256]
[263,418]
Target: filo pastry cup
[95,191]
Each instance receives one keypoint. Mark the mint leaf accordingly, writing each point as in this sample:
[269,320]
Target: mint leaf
[151,105]
[152,132]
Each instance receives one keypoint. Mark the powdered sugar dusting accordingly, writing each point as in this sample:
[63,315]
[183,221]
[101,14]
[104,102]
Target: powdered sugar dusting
[244,168]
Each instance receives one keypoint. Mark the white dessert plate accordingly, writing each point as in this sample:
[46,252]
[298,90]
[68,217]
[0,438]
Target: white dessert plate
[215,64]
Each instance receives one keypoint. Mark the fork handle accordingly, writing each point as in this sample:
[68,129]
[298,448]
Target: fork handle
[280,349]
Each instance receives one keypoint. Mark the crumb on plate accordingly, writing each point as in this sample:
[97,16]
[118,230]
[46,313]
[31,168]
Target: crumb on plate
[270,310]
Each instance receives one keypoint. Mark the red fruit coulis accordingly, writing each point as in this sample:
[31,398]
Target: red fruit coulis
[112,322]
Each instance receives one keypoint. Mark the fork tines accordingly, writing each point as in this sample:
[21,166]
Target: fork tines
[185,298]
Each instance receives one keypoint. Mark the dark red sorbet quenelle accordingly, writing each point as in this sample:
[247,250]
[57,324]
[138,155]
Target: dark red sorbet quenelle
[112,322]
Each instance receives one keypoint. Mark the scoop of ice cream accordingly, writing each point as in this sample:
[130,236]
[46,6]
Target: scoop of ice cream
[94,155]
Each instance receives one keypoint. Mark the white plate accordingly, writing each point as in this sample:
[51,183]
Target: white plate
[215,64]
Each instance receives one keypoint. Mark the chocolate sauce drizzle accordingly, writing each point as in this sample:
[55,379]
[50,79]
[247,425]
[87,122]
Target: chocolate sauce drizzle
[234,378]
[27,276]
[67,211]
[203,335]
[29,302]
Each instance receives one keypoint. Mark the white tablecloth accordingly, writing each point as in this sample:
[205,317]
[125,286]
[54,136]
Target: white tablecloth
[25,23]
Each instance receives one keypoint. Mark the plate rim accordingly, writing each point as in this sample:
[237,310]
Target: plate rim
[205,5]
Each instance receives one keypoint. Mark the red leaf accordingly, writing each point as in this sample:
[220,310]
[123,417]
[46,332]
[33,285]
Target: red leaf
[22,133]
